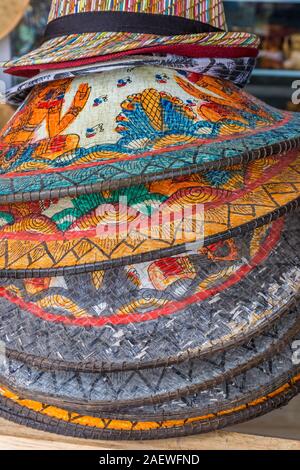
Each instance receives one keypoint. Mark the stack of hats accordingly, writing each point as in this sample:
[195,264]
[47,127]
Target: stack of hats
[149,239]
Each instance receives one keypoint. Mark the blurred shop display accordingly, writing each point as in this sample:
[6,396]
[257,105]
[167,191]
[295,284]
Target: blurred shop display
[278,25]
[11,13]
[292,51]
[30,31]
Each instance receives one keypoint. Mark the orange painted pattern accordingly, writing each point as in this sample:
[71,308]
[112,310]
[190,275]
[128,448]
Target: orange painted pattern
[126,425]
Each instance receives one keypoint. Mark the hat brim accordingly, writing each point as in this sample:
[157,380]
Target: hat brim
[243,387]
[145,222]
[107,131]
[94,45]
[237,70]
[115,390]
[157,313]
[276,393]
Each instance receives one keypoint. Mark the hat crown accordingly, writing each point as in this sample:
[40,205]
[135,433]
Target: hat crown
[206,11]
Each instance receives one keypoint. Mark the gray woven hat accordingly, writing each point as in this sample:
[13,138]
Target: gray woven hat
[155,314]
[270,384]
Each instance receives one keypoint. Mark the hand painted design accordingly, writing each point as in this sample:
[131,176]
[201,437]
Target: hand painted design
[150,120]
[147,286]
[93,131]
[164,120]
[102,227]
[162,78]
[221,103]
[100,100]
[191,103]
[184,321]
[122,82]
[44,107]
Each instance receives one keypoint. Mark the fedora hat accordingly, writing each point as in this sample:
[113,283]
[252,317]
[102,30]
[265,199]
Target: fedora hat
[115,129]
[10,14]
[88,30]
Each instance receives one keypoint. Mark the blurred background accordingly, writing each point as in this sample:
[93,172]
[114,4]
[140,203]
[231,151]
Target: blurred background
[278,25]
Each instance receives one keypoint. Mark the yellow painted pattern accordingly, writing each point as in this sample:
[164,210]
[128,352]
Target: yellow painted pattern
[126,425]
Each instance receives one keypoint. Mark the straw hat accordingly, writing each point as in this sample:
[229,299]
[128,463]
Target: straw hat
[119,128]
[86,30]
[275,392]
[156,313]
[115,391]
[10,14]
[166,348]
[268,385]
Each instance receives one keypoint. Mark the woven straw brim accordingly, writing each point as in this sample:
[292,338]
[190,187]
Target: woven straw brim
[112,391]
[60,421]
[242,388]
[115,320]
[93,45]
[145,222]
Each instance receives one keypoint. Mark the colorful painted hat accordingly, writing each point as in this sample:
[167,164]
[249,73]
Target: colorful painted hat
[146,221]
[178,345]
[115,129]
[88,30]
[171,347]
